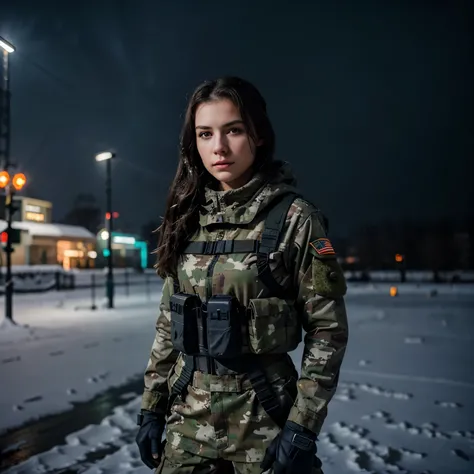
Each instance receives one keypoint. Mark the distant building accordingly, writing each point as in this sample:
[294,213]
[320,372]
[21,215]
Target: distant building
[47,243]
[128,250]
[438,246]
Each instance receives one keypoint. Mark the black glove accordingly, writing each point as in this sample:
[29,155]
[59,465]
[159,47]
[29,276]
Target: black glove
[293,451]
[149,436]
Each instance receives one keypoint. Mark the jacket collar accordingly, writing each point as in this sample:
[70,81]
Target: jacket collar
[241,205]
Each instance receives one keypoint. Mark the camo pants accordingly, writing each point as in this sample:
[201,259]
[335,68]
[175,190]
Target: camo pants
[188,463]
[220,427]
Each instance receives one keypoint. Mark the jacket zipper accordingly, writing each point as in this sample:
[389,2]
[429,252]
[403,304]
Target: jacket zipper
[210,270]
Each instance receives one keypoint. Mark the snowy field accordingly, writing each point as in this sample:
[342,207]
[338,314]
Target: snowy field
[405,401]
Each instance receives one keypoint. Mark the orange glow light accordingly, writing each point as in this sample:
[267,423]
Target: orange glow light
[4,179]
[18,181]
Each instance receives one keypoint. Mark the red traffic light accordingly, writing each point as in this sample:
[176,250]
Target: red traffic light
[114,215]
[4,237]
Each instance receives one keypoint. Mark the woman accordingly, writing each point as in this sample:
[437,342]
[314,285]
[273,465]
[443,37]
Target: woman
[246,266]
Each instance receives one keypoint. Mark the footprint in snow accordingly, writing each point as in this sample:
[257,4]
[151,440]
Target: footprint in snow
[11,359]
[448,404]
[37,398]
[103,375]
[90,345]
[98,378]
[56,353]
[460,454]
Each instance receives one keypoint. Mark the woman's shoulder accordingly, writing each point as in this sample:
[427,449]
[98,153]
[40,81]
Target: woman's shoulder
[304,207]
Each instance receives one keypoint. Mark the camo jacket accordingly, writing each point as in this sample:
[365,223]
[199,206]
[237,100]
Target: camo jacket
[319,307]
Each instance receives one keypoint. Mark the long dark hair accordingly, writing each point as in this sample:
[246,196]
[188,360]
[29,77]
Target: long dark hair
[181,219]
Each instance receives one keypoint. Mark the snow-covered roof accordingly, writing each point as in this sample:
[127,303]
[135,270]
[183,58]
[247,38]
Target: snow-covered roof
[51,230]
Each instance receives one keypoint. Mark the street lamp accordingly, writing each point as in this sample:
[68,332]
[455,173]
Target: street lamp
[18,180]
[107,157]
[6,46]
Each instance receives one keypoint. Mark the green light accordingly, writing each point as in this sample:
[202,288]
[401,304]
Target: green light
[140,244]
[106,252]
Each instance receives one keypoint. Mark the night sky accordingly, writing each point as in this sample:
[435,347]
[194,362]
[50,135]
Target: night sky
[372,102]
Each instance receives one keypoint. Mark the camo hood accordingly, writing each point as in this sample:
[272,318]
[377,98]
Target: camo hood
[240,206]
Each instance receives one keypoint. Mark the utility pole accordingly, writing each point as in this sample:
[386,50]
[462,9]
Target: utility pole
[110,263]
[108,156]
[5,134]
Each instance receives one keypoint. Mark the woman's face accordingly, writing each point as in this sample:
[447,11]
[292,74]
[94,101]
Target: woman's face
[226,149]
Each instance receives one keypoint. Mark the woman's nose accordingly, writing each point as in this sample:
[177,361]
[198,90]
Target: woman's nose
[220,145]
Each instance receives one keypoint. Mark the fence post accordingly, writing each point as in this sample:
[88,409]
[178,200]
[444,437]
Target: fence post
[93,306]
[147,285]
[127,289]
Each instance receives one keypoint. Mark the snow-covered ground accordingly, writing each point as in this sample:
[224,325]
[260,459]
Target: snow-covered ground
[405,401]
[69,353]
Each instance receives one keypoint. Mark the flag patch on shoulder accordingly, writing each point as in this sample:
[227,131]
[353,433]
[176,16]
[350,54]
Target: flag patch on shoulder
[323,247]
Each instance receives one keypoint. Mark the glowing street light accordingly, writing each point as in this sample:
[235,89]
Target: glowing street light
[107,157]
[6,46]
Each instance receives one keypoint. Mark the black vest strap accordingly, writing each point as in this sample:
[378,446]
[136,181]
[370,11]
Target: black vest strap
[184,379]
[266,395]
[220,247]
[273,226]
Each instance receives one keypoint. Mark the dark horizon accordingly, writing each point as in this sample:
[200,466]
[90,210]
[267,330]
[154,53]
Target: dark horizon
[372,105]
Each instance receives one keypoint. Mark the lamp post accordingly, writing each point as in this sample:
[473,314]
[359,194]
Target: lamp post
[7,48]
[107,157]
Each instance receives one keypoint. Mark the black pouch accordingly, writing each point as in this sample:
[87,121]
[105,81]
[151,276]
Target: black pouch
[224,327]
[184,322]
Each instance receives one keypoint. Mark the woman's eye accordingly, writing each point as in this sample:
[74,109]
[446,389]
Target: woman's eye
[235,131]
[204,135]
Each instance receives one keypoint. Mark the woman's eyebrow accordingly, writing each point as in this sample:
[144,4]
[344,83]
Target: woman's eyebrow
[228,124]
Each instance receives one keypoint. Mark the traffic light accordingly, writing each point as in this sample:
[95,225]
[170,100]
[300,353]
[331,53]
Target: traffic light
[15,236]
[18,181]
[115,215]
[4,179]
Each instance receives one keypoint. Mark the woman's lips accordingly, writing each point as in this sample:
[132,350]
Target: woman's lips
[222,166]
